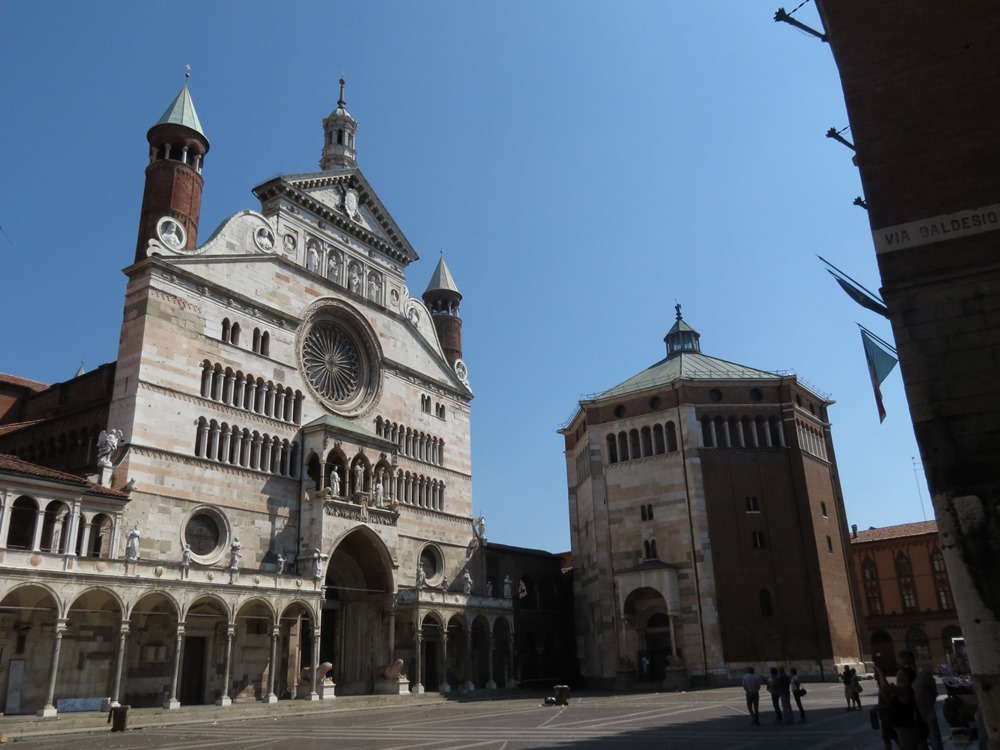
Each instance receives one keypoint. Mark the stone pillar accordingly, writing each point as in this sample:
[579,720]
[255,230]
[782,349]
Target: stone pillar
[272,665]
[36,541]
[119,663]
[85,539]
[673,637]
[444,687]
[511,680]
[172,703]
[392,635]
[279,412]
[224,699]
[418,686]
[50,710]
[470,683]
[490,683]
[5,519]
[203,448]
[314,672]
[73,533]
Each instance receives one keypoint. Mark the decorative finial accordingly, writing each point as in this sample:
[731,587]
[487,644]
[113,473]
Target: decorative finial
[442,251]
[340,101]
[187,71]
[677,307]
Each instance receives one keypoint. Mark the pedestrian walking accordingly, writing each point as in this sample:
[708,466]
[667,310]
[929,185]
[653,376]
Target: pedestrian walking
[856,688]
[784,695]
[797,692]
[751,686]
[845,677]
[925,691]
[772,688]
[904,716]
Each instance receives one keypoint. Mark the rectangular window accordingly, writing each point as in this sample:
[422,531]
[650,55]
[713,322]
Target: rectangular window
[758,540]
[945,600]
[822,509]
[909,600]
[752,504]
[829,544]
[874,604]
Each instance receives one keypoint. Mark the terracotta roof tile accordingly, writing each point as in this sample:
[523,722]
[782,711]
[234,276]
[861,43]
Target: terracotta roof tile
[895,532]
[33,385]
[14,465]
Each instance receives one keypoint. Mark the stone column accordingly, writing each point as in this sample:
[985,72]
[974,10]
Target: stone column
[314,672]
[50,710]
[119,663]
[673,641]
[445,687]
[73,533]
[36,541]
[490,684]
[224,699]
[418,686]
[511,680]
[392,635]
[172,703]
[272,665]
[469,681]
[85,539]
[5,519]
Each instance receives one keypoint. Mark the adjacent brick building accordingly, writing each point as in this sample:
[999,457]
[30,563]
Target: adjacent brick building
[906,595]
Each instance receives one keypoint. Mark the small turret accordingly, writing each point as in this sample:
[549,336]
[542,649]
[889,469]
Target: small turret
[442,299]
[339,130]
[682,337]
[171,201]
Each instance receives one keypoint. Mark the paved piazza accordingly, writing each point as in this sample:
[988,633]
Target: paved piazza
[702,719]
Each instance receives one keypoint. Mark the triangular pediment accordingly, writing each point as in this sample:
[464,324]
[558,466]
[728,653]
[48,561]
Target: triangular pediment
[344,198]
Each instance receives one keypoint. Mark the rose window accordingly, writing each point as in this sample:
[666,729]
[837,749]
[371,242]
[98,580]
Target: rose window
[332,362]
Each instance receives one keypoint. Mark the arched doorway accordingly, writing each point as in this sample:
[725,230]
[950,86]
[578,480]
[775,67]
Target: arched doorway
[651,642]
[252,651]
[355,634]
[29,616]
[206,622]
[93,627]
[151,651]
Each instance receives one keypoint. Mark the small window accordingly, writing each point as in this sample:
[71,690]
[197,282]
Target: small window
[620,411]
[753,505]
[655,402]
[758,541]
[766,606]
[715,395]
[649,511]
[829,543]
[822,509]
[643,513]
[755,394]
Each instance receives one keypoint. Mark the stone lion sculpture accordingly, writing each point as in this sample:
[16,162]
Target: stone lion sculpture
[322,672]
[392,671]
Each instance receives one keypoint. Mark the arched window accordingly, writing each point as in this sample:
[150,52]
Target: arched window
[904,576]
[643,513]
[649,511]
[671,437]
[658,443]
[916,641]
[903,567]
[234,335]
[633,445]
[707,434]
[652,549]
[645,548]
[612,449]
[226,328]
[766,606]
[937,561]
[623,454]
[647,442]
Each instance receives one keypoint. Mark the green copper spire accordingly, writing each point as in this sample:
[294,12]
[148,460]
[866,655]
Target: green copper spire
[181,112]
[442,281]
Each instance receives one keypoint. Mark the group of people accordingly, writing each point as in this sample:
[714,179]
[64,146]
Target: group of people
[782,686]
[852,688]
[907,709]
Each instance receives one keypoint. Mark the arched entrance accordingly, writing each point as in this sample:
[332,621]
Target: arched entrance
[93,629]
[151,651]
[651,642]
[355,622]
[206,623]
[883,651]
[29,615]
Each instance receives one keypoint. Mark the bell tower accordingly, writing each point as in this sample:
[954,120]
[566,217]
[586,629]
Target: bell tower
[442,299]
[171,201]
[339,130]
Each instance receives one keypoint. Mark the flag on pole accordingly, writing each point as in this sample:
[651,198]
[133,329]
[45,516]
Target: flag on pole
[867,299]
[880,364]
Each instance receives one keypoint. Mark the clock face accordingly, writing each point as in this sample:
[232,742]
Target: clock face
[171,233]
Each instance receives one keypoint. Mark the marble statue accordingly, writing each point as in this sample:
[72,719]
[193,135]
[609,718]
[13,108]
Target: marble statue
[186,556]
[318,559]
[359,477]
[281,563]
[392,671]
[479,526]
[335,483]
[421,576]
[467,583]
[312,259]
[107,444]
[489,588]
[379,492]
[234,554]
[132,544]
[506,587]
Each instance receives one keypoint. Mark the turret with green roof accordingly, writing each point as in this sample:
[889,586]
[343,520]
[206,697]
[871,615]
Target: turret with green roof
[442,299]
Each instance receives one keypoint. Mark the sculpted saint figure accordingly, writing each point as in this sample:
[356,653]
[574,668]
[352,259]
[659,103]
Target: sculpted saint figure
[379,492]
[506,587]
[318,559]
[186,556]
[335,483]
[421,576]
[467,583]
[132,544]
[107,444]
[359,477]
[489,588]
[234,554]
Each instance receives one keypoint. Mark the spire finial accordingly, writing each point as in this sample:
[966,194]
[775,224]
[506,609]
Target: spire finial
[340,101]
[442,252]
[187,72]
[677,307]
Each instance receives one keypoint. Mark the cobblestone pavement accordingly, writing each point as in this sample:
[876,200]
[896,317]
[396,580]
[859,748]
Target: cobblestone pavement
[700,719]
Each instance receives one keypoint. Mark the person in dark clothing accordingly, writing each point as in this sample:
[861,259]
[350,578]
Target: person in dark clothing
[903,713]
[772,688]
[784,694]
[845,677]
[797,693]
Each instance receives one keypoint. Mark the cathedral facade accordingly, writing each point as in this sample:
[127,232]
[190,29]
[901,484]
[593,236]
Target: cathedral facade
[280,495]
[707,525]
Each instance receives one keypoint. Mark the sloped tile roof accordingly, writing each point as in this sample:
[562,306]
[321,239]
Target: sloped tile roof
[895,532]
[33,385]
[14,465]
[687,366]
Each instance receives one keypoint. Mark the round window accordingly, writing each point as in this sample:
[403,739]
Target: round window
[339,356]
[655,402]
[755,394]
[715,394]
[204,533]
[430,559]
[620,411]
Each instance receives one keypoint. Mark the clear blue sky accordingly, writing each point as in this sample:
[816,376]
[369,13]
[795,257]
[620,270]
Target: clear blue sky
[584,166]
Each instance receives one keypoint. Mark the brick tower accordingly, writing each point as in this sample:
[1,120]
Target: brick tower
[171,201]
[442,299]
